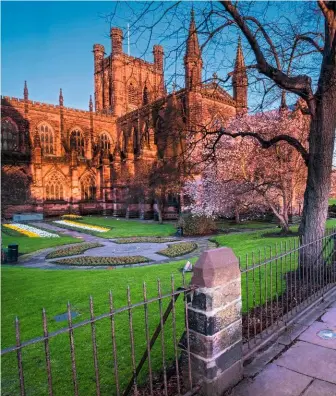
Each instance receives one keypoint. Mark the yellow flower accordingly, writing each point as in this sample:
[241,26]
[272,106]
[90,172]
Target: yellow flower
[85,226]
[22,231]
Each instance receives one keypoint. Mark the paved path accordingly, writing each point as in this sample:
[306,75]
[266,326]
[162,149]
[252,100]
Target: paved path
[305,365]
[109,249]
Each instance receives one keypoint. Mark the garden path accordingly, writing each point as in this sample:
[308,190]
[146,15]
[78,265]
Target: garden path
[109,249]
[306,363]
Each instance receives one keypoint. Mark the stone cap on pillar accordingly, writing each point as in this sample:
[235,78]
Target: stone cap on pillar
[215,267]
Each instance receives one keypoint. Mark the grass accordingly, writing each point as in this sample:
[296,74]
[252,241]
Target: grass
[129,228]
[26,291]
[249,242]
[332,201]
[253,225]
[72,250]
[29,245]
[178,249]
[97,261]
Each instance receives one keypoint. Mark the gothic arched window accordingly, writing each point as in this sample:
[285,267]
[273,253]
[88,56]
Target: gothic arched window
[145,96]
[47,139]
[135,141]
[88,189]
[145,141]
[77,142]
[132,94]
[54,189]
[104,142]
[9,135]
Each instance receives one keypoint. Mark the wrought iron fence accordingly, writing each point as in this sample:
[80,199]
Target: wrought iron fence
[118,363]
[281,281]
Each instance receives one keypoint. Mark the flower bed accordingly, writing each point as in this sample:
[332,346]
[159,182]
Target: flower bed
[72,250]
[178,249]
[81,226]
[144,240]
[30,231]
[96,261]
[71,217]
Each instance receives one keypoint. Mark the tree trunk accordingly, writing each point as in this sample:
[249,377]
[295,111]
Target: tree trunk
[321,146]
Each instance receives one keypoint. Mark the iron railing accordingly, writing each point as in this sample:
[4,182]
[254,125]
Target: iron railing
[281,281]
[120,364]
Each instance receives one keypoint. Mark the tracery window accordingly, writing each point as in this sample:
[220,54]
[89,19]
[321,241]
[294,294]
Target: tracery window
[47,139]
[9,135]
[55,188]
[77,142]
[88,189]
[104,142]
[132,94]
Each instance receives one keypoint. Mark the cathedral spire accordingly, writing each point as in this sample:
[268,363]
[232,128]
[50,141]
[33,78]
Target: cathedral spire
[239,80]
[240,61]
[193,58]
[25,91]
[193,48]
[60,98]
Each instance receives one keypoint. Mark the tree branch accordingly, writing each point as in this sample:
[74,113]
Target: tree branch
[268,143]
[300,85]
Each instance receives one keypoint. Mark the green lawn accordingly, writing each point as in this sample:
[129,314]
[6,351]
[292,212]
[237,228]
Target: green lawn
[246,243]
[253,225]
[26,291]
[332,201]
[128,228]
[29,245]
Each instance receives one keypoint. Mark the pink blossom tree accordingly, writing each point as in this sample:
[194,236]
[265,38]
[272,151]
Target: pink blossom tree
[242,174]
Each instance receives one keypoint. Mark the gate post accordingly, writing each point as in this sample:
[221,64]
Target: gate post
[215,322]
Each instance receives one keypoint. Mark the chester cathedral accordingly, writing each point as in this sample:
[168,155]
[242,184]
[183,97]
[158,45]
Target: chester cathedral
[58,160]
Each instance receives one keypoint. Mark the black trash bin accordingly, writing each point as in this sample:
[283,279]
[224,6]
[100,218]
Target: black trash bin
[179,232]
[13,253]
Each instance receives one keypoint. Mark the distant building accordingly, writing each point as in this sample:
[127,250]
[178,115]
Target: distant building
[57,160]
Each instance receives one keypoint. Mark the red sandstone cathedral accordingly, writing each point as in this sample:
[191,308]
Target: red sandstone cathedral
[58,160]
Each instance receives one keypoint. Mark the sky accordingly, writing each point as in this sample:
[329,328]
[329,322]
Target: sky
[49,44]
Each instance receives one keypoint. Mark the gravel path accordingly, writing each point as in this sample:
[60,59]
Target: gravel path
[109,249]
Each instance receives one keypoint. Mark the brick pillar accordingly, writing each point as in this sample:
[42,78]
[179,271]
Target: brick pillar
[215,322]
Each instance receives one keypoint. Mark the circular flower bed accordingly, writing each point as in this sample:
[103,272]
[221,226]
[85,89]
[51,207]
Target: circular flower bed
[72,250]
[96,261]
[30,231]
[81,226]
[178,249]
[144,240]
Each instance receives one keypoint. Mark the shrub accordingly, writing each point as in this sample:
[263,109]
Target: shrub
[72,250]
[71,217]
[178,249]
[196,224]
[96,261]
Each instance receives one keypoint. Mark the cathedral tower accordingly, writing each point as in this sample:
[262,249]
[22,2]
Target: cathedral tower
[239,81]
[193,58]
